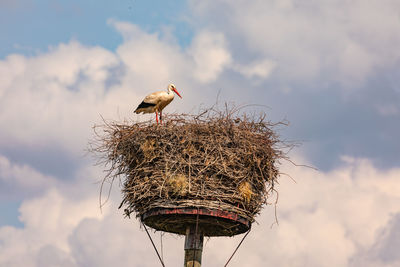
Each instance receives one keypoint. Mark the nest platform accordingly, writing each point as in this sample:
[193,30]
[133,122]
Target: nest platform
[210,222]
[215,169]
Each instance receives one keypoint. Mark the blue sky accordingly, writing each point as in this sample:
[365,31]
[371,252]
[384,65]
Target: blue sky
[32,26]
[331,68]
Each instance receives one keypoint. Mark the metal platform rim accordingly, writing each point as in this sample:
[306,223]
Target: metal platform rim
[232,219]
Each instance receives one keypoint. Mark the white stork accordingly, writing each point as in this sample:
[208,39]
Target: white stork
[157,101]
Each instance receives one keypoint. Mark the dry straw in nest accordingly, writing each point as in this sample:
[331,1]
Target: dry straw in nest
[217,159]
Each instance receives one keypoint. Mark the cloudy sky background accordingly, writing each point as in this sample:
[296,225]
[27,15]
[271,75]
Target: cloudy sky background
[331,68]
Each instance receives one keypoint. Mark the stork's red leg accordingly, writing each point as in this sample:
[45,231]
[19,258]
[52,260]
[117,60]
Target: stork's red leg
[161,116]
[157,117]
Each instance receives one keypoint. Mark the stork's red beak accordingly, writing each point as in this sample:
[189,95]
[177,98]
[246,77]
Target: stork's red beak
[176,92]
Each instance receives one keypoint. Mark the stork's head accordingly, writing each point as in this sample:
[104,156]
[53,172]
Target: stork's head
[173,88]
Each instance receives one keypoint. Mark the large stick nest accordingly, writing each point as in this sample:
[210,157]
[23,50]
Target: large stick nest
[220,160]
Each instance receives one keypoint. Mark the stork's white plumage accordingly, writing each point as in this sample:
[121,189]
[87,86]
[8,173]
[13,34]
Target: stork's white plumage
[157,101]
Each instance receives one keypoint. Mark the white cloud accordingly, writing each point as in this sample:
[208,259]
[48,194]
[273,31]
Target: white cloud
[388,109]
[53,97]
[150,60]
[336,215]
[210,55]
[355,63]
[202,62]
[118,241]
[22,179]
[258,69]
[384,252]
[336,41]
[63,228]
[48,221]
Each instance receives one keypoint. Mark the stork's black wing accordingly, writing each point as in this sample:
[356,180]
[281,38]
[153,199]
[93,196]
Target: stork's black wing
[145,105]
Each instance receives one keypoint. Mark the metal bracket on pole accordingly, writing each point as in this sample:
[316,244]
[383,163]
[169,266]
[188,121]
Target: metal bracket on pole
[193,247]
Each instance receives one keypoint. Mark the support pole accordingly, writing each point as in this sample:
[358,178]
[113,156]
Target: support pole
[193,247]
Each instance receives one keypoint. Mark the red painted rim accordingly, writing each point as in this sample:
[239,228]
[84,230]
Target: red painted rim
[201,211]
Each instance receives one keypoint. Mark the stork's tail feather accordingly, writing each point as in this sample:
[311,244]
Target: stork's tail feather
[142,106]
